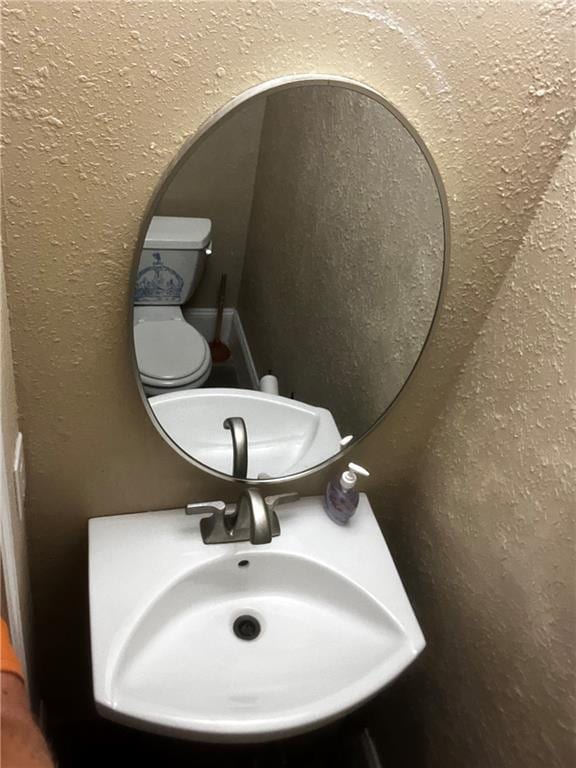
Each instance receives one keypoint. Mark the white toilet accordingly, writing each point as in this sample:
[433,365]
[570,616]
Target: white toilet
[170,353]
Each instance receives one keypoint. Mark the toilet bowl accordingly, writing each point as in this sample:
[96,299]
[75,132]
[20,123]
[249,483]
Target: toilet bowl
[171,354]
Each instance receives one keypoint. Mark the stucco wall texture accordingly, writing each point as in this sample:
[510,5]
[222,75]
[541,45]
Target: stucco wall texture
[98,97]
[344,255]
[486,528]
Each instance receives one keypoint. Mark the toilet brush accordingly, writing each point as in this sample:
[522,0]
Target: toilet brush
[218,350]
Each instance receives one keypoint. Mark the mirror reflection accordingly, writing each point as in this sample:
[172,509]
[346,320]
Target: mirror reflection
[289,279]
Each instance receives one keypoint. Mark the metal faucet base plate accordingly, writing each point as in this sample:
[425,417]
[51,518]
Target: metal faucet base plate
[215,530]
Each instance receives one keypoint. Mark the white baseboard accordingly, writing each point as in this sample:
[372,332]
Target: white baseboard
[239,337]
[204,320]
[232,334]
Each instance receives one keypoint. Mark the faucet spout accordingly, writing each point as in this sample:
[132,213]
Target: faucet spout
[252,515]
[254,519]
[237,426]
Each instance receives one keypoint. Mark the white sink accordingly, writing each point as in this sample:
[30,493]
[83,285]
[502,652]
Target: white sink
[335,623]
[284,436]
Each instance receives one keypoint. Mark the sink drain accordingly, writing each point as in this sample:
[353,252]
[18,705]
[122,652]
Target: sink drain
[246,627]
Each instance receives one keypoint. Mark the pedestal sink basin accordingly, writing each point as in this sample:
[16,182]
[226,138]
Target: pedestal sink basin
[239,643]
[284,436]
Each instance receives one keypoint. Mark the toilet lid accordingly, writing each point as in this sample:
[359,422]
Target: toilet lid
[169,349]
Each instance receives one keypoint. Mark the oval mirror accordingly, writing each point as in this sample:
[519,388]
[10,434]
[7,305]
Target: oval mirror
[287,277]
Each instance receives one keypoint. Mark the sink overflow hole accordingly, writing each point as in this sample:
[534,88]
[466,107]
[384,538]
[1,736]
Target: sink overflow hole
[243,563]
[246,627]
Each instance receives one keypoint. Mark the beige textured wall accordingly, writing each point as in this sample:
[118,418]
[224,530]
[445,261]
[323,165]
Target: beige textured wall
[344,254]
[89,87]
[486,528]
[217,182]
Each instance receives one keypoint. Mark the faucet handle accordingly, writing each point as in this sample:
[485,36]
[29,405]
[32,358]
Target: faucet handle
[213,528]
[282,498]
[205,507]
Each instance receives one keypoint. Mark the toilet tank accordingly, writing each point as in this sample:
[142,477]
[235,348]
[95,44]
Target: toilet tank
[172,260]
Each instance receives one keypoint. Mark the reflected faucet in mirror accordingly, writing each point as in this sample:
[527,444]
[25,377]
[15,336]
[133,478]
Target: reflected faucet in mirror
[328,217]
[237,426]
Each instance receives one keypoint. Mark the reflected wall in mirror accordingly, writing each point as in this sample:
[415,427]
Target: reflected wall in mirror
[311,214]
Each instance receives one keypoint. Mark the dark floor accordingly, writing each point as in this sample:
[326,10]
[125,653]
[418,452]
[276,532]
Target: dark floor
[105,744]
[223,375]
[391,724]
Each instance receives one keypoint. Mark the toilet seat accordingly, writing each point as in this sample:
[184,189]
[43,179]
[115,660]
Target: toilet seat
[171,353]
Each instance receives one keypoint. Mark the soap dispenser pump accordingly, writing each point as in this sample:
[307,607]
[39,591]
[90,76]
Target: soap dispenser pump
[341,497]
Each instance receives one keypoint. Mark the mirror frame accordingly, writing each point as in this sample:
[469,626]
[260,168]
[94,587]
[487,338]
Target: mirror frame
[196,139]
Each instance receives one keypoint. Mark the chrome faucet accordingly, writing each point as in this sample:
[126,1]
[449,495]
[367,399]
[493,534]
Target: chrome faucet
[254,518]
[237,426]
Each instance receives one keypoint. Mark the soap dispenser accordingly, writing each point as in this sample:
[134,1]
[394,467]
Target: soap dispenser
[341,497]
